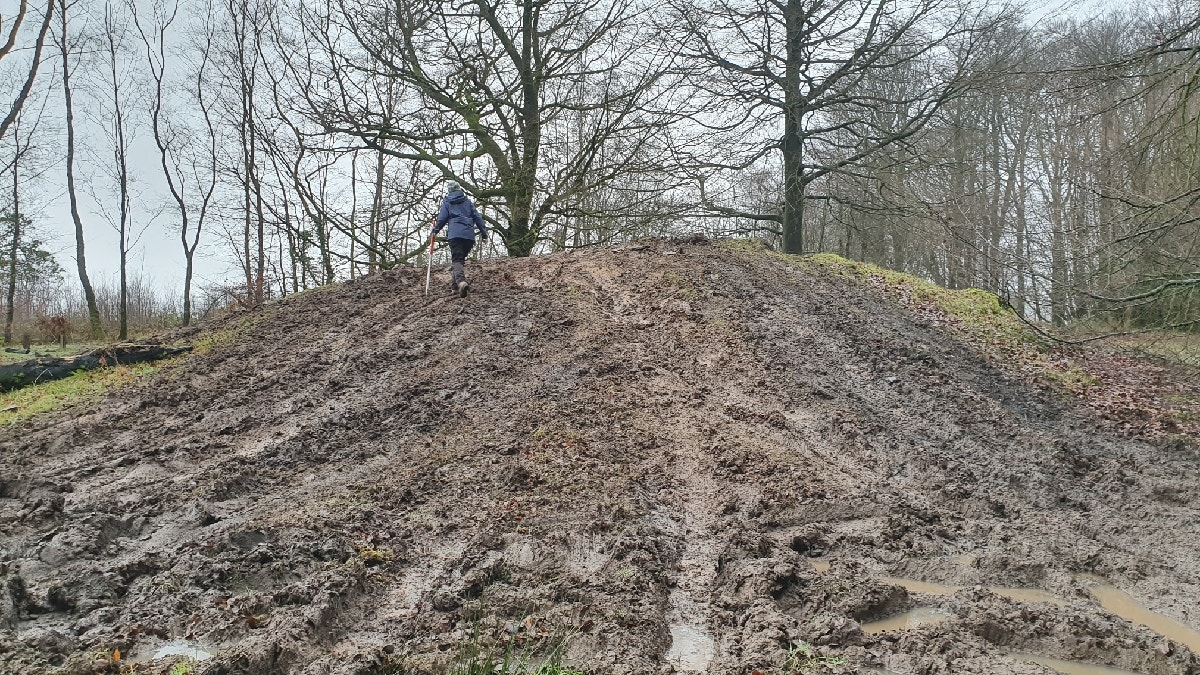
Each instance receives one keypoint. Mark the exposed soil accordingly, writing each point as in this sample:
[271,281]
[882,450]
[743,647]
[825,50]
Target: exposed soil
[638,450]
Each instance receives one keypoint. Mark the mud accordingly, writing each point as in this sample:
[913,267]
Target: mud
[631,454]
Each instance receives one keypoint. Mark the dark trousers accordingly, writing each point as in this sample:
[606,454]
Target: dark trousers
[459,250]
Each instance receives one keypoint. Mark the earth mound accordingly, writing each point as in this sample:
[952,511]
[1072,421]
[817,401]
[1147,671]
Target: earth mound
[664,457]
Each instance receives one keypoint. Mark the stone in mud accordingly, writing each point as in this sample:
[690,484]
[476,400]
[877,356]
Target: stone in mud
[446,602]
[836,630]
[59,599]
[49,640]
[12,596]
[199,513]
[58,551]
[246,540]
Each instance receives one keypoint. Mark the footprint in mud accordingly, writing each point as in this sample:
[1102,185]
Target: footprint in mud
[691,649]
[1069,667]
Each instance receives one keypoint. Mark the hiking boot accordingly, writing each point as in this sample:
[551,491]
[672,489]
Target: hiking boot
[462,289]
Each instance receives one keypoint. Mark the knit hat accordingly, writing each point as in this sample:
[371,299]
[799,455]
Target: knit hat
[452,186]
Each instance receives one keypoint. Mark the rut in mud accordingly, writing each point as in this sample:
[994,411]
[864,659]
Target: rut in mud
[663,457]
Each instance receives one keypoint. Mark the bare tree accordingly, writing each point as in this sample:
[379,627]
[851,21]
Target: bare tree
[6,49]
[96,330]
[117,129]
[480,85]
[801,64]
[187,153]
[19,152]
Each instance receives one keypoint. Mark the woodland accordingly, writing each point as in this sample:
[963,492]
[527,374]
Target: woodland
[1050,158]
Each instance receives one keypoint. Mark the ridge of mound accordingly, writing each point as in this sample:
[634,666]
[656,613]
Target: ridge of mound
[628,459]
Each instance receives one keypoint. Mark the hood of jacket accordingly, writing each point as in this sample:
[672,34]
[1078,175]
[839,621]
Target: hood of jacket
[456,197]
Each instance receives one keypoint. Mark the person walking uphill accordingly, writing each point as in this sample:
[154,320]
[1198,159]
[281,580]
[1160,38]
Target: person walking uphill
[461,215]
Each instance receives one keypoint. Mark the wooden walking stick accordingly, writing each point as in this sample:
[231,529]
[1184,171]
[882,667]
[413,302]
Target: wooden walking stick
[429,263]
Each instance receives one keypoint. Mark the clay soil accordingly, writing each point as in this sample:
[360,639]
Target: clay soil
[632,455]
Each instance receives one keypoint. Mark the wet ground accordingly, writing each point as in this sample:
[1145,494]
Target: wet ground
[658,458]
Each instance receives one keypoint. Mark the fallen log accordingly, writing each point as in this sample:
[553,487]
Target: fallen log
[45,369]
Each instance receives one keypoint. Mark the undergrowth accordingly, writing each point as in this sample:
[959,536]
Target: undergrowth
[90,385]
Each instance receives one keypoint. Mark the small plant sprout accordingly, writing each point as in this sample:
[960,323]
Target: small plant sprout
[802,658]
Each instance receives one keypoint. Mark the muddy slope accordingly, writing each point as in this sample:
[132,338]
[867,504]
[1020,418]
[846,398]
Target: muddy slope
[638,450]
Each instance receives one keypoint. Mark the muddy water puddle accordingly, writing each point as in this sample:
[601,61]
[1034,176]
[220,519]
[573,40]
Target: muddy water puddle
[921,616]
[1112,599]
[187,650]
[931,588]
[1125,606]
[1018,594]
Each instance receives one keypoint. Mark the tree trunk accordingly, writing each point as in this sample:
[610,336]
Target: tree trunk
[793,130]
[96,330]
[121,156]
[373,262]
[522,233]
[36,371]
[31,76]
[16,242]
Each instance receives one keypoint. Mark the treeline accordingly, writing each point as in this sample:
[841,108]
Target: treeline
[1053,163]
[1068,181]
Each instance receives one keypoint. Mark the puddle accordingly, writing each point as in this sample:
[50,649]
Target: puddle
[1125,606]
[1069,667]
[931,588]
[921,616]
[177,648]
[691,649]
[1018,594]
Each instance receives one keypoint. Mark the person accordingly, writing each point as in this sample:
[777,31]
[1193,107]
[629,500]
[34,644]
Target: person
[461,215]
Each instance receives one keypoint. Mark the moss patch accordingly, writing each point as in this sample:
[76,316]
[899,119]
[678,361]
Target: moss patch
[82,387]
[972,310]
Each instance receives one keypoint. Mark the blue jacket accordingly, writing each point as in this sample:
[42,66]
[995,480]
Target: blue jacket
[462,216]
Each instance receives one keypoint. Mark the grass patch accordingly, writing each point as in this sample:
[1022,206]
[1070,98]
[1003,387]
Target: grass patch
[477,655]
[211,339]
[686,288]
[803,658]
[89,386]
[82,387]
[1071,377]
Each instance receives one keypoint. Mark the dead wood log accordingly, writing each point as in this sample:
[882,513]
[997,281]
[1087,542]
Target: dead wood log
[35,371]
